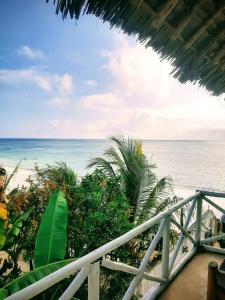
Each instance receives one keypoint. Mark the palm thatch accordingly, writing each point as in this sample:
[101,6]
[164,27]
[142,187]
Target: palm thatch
[190,33]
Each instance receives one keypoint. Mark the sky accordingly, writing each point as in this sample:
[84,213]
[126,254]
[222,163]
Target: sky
[66,79]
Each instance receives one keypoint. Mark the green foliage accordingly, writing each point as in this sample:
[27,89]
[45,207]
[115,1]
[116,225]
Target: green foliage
[3,293]
[51,238]
[145,193]
[33,276]
[2,233]
[102,211]
[121,192]
[15,228]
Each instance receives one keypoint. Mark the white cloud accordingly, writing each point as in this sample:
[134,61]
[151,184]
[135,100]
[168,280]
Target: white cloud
[102,102]
[30,53]
[141,99]
[59,102]
[64,83]
[138,72]
[144,101]
[44,82]
[58,87]
[90,82]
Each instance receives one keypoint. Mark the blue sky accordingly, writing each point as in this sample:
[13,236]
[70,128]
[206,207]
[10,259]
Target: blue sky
[61,79]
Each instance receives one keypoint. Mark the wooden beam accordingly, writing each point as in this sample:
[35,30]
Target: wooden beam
[182,230]
[75,284]
[183,24]
[130,291]
[117,266]
[216,59]
[166,249]
[213,238]
[212,194]
[164,12]
[211,284]
[214,204]
[93,281]
[180,240]
[214,249]
[207,23]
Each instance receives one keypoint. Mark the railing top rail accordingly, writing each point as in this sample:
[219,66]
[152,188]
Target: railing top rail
[97,254]
[212,194]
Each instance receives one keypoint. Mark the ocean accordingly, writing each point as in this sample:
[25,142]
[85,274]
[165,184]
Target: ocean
[191,164]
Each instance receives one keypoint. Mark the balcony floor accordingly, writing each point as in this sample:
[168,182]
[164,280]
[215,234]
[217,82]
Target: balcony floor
[191,283]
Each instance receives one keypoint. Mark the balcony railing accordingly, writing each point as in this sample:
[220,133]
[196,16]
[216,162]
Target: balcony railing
[89,265]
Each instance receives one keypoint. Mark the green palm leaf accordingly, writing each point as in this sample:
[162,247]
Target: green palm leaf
[51,238]
[158,199]
[103,164]
[33,276]
[8,178]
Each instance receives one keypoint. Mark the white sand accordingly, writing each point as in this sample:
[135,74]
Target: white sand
[22,174]
[19,178]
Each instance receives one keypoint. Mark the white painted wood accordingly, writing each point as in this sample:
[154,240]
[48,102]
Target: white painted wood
[166,248]
[152,293]
[93,281]
[116,266]
[182,230]
[182,263]
[46,282]
[180,240]
[75,284]
[212,194]
[198,220]
[213,238]
[130,291]
[214,249]
[214,204]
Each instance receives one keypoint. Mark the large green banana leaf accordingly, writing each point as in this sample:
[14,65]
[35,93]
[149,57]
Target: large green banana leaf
[50,245]
[16,227]
[33,276]
[3,294]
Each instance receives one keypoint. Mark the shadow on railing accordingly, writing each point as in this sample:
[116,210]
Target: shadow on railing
[89,265]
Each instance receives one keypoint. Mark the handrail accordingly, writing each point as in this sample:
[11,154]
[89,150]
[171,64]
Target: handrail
[86,262]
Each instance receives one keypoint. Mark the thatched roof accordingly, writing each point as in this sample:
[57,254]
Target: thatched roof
[191,33]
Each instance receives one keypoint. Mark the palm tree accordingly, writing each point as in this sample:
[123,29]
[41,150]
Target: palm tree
[146,194]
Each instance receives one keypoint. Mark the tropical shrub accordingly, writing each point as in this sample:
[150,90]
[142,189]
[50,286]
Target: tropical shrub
[146,194]
[121,192]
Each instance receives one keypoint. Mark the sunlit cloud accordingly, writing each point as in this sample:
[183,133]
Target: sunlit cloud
[102,102]
[90,82]
[30,53]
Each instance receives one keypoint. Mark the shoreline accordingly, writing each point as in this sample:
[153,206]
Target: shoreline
[24,172]
[19,179]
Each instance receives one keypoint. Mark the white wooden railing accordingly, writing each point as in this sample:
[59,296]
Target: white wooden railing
[89,265]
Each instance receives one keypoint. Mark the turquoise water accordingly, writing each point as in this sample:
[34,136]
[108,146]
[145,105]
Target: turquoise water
[191,164]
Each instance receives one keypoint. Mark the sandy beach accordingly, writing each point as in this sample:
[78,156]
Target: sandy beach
[22,174]
[19,178]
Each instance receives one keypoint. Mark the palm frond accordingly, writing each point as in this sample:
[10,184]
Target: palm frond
[8,179]
[102,164]
[158,199]
[114,157]
[60,173]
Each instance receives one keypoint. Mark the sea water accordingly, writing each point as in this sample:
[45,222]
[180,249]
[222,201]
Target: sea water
[191,164]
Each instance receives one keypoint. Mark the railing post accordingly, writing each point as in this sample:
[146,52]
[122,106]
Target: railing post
[198,220]
[165,250]
[182,235]
[93,281]
[130,291]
